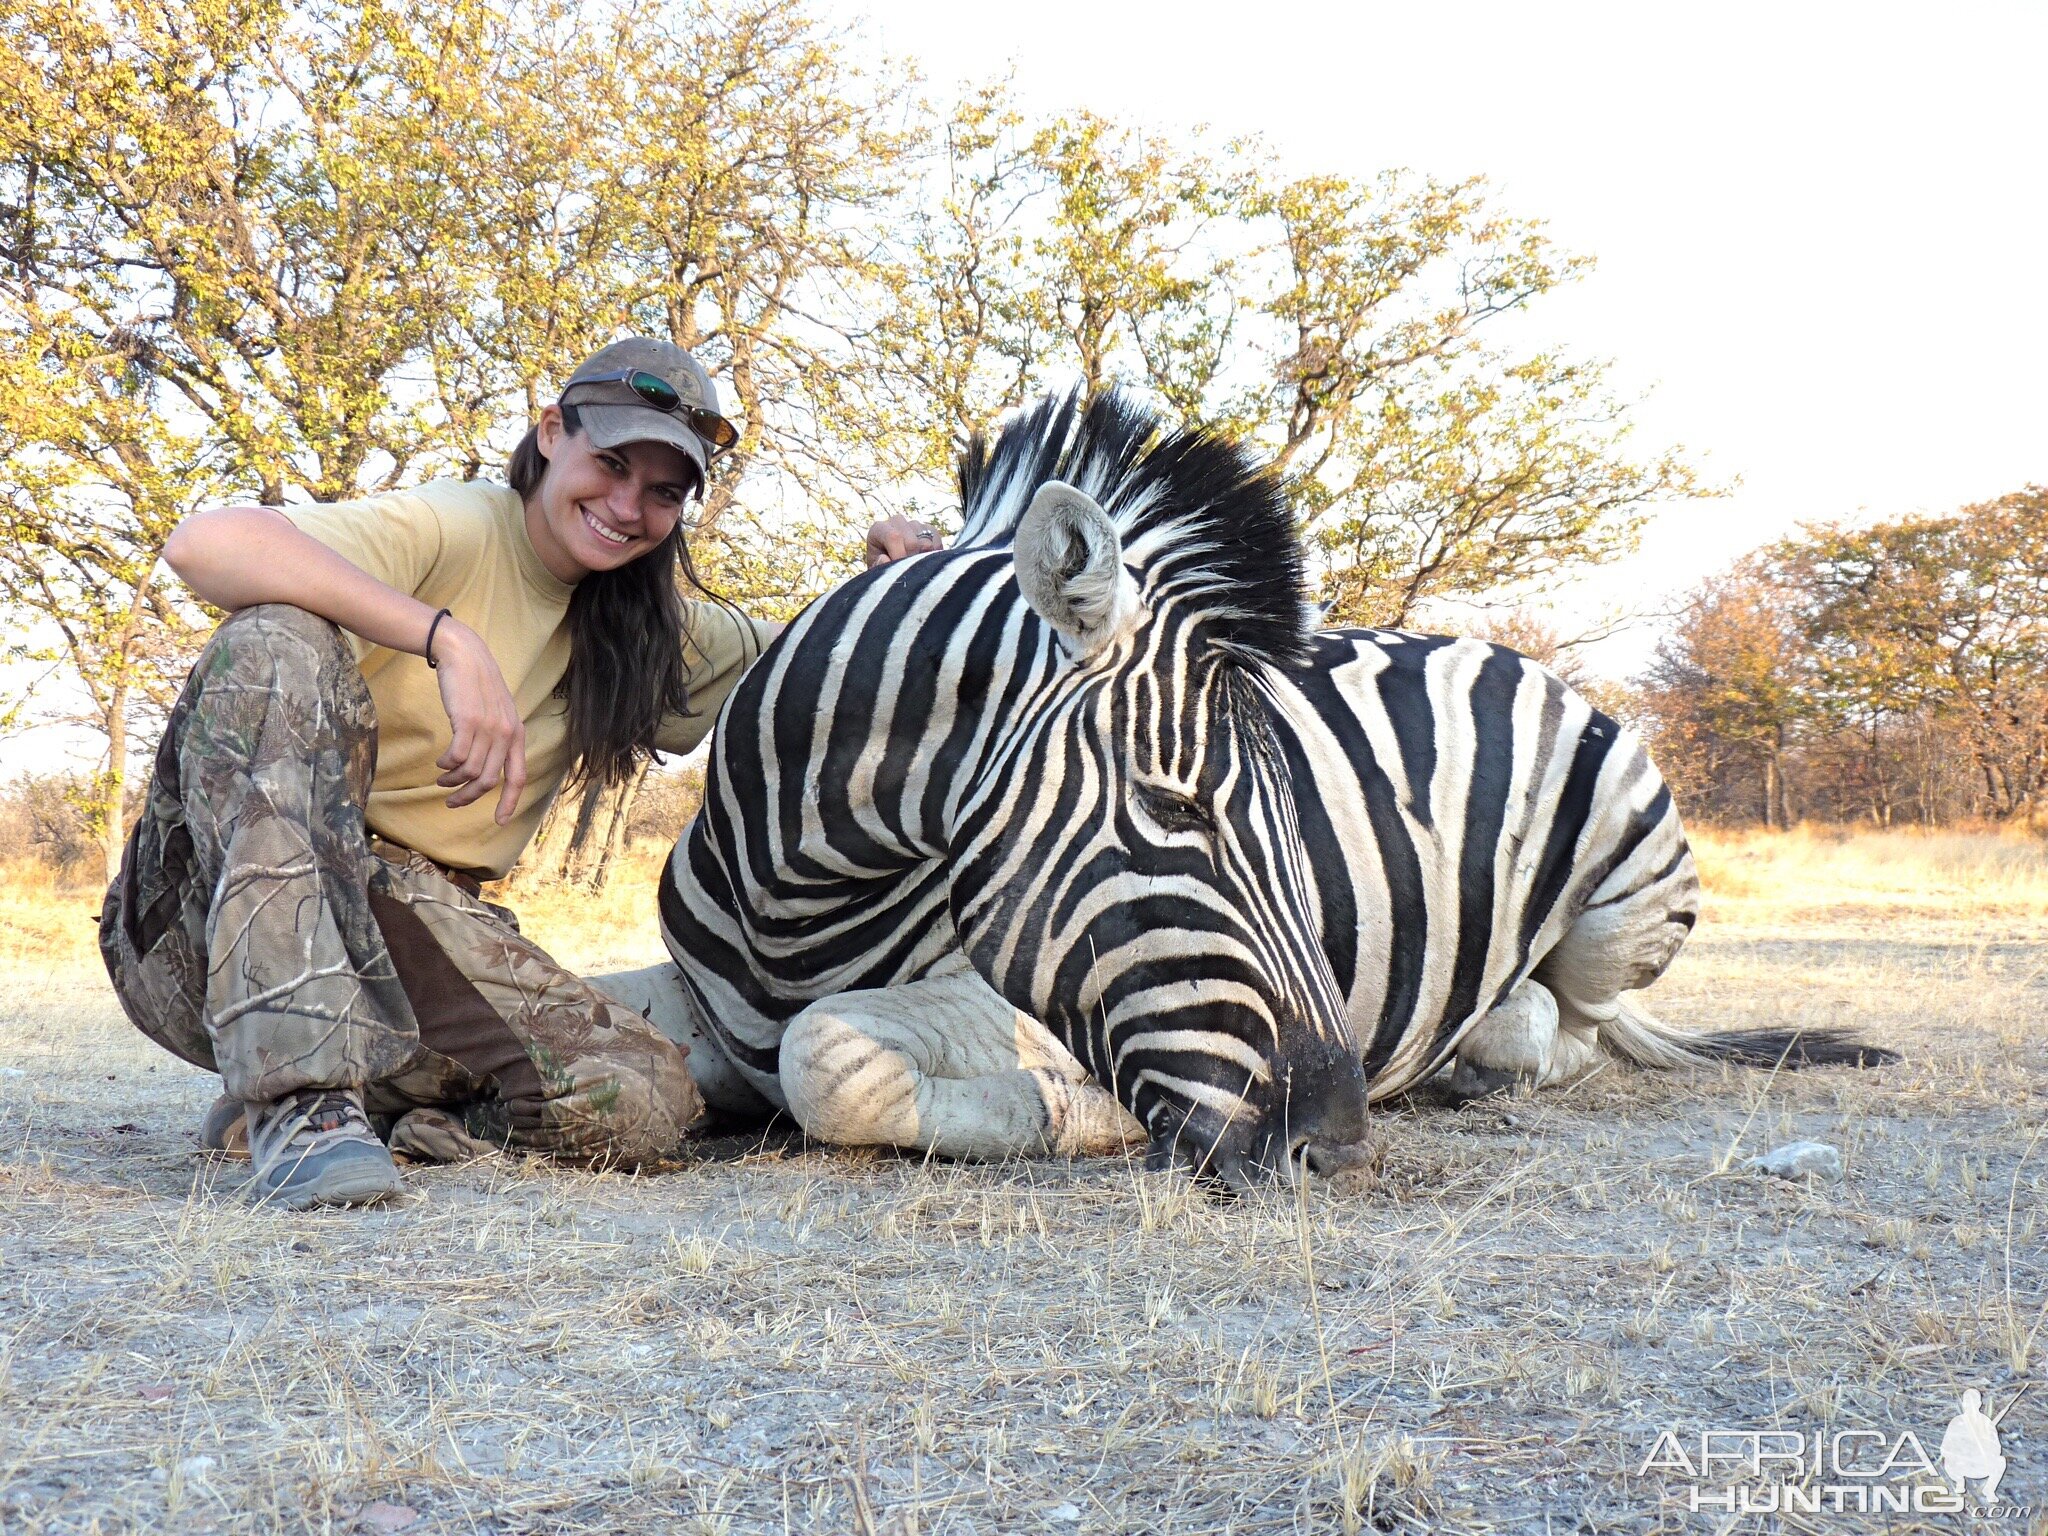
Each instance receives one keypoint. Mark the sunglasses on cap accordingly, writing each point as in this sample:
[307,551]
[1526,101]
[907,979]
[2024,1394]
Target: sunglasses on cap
[655,391]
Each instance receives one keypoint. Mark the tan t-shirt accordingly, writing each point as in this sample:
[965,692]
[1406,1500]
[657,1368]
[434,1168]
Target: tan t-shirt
[462,545]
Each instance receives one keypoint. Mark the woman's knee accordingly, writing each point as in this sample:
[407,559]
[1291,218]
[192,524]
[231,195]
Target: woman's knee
[297,653]
[622,1107]
[272,630]
[274,684]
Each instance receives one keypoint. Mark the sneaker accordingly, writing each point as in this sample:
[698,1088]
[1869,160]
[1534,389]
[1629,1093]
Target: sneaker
[226,1127]
[316,1147]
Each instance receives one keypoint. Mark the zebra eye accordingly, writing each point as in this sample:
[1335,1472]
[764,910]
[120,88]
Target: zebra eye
[1174,812]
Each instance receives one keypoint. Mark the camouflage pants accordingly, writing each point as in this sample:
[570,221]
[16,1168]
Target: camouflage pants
[254,930]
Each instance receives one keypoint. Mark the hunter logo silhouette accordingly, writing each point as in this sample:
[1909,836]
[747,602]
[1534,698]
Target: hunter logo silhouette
[1969,1448]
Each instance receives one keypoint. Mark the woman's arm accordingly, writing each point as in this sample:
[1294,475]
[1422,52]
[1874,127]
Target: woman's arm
[237,557]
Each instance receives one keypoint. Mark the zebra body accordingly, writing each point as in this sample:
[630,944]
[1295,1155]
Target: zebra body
[1475,822]
[1426,757]
[1162,862]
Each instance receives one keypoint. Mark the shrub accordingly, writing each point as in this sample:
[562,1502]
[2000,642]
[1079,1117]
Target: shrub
[668,799]
[47,817]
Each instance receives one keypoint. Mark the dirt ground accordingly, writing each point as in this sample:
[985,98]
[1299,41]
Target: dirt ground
[1491,1333]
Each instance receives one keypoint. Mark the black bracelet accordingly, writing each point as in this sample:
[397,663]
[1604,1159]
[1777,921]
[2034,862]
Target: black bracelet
[430,639]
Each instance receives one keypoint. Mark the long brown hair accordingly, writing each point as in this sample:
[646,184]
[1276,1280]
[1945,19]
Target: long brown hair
[626,631]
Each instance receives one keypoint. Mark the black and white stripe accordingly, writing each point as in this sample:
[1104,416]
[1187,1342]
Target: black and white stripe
[1247,872]
[1472,809]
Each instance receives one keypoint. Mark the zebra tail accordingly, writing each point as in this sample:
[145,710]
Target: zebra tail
[1634,1035]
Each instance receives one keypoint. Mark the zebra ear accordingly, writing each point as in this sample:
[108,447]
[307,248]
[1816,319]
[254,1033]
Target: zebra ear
[1070,568]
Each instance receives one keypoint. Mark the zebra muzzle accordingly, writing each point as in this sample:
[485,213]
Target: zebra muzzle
[1326,1159]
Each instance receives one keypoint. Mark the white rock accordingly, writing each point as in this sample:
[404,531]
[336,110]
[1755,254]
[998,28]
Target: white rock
[1066,1514]
[1798,1158]
[195,1468]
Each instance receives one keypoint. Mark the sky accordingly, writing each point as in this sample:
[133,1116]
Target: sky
[1820,229]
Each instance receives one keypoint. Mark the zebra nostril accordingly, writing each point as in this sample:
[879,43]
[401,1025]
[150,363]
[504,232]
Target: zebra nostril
[1328,1158]
[1300,1161]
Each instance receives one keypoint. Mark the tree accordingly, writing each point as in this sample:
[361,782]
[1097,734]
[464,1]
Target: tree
[751,161]
[1428,460]
[1892,670]
[270,252]
[1070,252]
[253,206]
[1724,697]
[216,219]
[1122,262]
[1346,327]
[1947,615]
[96,480]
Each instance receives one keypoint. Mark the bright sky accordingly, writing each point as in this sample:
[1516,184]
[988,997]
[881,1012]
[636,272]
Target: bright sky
[1819,228]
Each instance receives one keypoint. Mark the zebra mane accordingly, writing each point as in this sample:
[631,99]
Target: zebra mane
[1198,517]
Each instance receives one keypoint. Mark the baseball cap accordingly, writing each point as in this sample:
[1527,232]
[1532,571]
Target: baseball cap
[613,414]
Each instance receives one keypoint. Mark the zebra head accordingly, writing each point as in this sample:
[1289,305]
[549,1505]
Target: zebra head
[1130,867]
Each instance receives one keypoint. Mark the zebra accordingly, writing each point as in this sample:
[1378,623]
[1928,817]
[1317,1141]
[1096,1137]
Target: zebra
[1079,835]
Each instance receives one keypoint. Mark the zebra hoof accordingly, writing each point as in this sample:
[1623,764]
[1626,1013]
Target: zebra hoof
[1471,1081]
[1084,1120]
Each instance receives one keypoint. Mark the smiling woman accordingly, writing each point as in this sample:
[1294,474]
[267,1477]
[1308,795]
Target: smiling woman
[402,685]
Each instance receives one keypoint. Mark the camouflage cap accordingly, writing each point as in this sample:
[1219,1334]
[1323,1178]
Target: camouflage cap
[613,415]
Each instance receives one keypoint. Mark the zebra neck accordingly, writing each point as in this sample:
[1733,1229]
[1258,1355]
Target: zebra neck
[883,712]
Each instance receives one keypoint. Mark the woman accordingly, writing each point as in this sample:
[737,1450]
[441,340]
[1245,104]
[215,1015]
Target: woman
[402,685]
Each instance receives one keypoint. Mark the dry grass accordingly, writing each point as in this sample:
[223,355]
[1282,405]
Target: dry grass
[1488,1337]
[1838,878]
[611,930]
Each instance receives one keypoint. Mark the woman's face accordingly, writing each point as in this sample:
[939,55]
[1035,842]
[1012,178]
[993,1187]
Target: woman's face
[600,508]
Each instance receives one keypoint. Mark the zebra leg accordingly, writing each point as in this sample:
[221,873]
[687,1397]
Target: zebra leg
[1514,1043]
[944,1065]
[657,994]
[1621,945]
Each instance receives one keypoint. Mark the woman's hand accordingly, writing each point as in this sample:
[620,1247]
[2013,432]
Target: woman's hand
[894,537]
[488,747]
